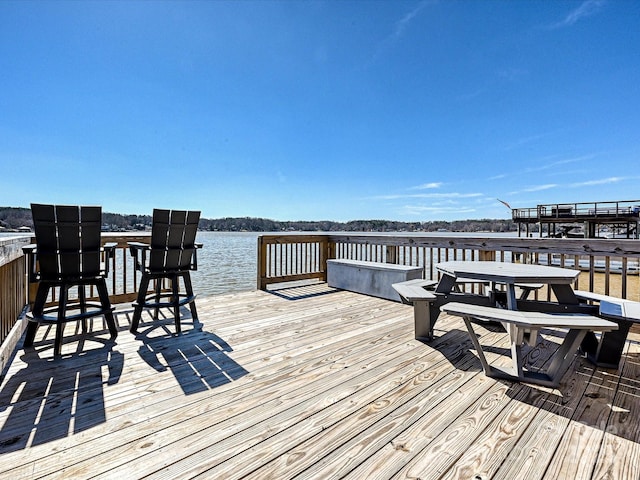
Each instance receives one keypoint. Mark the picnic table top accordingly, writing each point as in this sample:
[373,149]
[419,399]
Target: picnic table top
[509,273]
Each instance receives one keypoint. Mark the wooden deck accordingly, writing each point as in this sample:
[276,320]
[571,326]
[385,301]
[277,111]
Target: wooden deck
[308,382]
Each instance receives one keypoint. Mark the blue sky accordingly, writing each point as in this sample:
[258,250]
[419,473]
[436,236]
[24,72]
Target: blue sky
[320,110]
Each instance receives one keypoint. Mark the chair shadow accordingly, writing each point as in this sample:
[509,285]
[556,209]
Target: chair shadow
[52,398]
[198,359]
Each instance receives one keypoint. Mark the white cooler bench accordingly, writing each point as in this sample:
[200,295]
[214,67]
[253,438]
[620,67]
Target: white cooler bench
[369,278]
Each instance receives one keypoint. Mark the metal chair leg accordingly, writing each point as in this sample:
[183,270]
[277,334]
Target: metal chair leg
[158,290]
[175,299]
[32,328]
[38,308]
[137,311]
[82,299]
[189,290]
[62,307]
[105,304]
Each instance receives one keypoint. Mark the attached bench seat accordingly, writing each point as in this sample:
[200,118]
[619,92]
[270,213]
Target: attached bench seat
[607,351]
[523,327]
[613,306]
[415,290]
[423,296]
[416,293]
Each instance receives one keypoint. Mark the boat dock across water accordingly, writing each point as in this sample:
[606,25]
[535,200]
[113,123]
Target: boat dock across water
[594,219]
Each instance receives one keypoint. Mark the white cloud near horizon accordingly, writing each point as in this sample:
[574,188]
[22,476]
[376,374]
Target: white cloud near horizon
[560,162]
[538,188]
[427,186]
[586,183]
[520,142]
[500,176]
[428,195]
[421,209]
[543,167]
[601,181]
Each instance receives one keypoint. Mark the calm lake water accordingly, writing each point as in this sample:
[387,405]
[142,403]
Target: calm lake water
[227,261]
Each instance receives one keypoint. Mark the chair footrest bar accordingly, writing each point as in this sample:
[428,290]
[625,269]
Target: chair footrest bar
[53,319]
[152,303]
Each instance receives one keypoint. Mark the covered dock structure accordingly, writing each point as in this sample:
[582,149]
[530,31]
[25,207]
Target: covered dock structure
[617,219]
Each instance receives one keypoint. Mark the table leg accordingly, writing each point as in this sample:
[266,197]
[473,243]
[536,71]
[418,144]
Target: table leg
[564,294]
[511,297]
[607,352]
[560,361]
[446,284]
[564,355]
[516,337]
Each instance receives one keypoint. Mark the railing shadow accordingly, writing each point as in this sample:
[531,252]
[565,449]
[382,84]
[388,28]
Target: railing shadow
[52,398]
[198,359]
[302,292]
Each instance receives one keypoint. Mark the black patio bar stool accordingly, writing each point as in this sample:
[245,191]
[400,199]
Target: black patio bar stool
[67,254]
[171,255]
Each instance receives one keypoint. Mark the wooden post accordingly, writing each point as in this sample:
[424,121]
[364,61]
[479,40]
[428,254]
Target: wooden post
[327,251]
[487,256]
[392,254]
[262,263]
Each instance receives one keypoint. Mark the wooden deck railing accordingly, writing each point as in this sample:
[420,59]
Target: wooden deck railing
[610,266]
[122,282]
[286,258]
[13,294]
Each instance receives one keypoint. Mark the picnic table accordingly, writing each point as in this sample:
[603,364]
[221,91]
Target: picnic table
[523,325]
[521,317]
[512,277]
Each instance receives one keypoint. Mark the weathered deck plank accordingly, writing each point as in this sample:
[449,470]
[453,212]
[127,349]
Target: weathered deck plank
[308,382]
[619,455]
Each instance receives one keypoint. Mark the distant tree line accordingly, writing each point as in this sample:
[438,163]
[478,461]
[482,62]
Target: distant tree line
[12,218]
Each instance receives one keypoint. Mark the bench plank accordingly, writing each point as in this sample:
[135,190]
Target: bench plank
[613,306]
[412,290]
[586,295]
[530,319]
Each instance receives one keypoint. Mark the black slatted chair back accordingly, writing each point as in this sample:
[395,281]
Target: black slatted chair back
[173,238]
[68,254]
[68,241]
[170,255]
